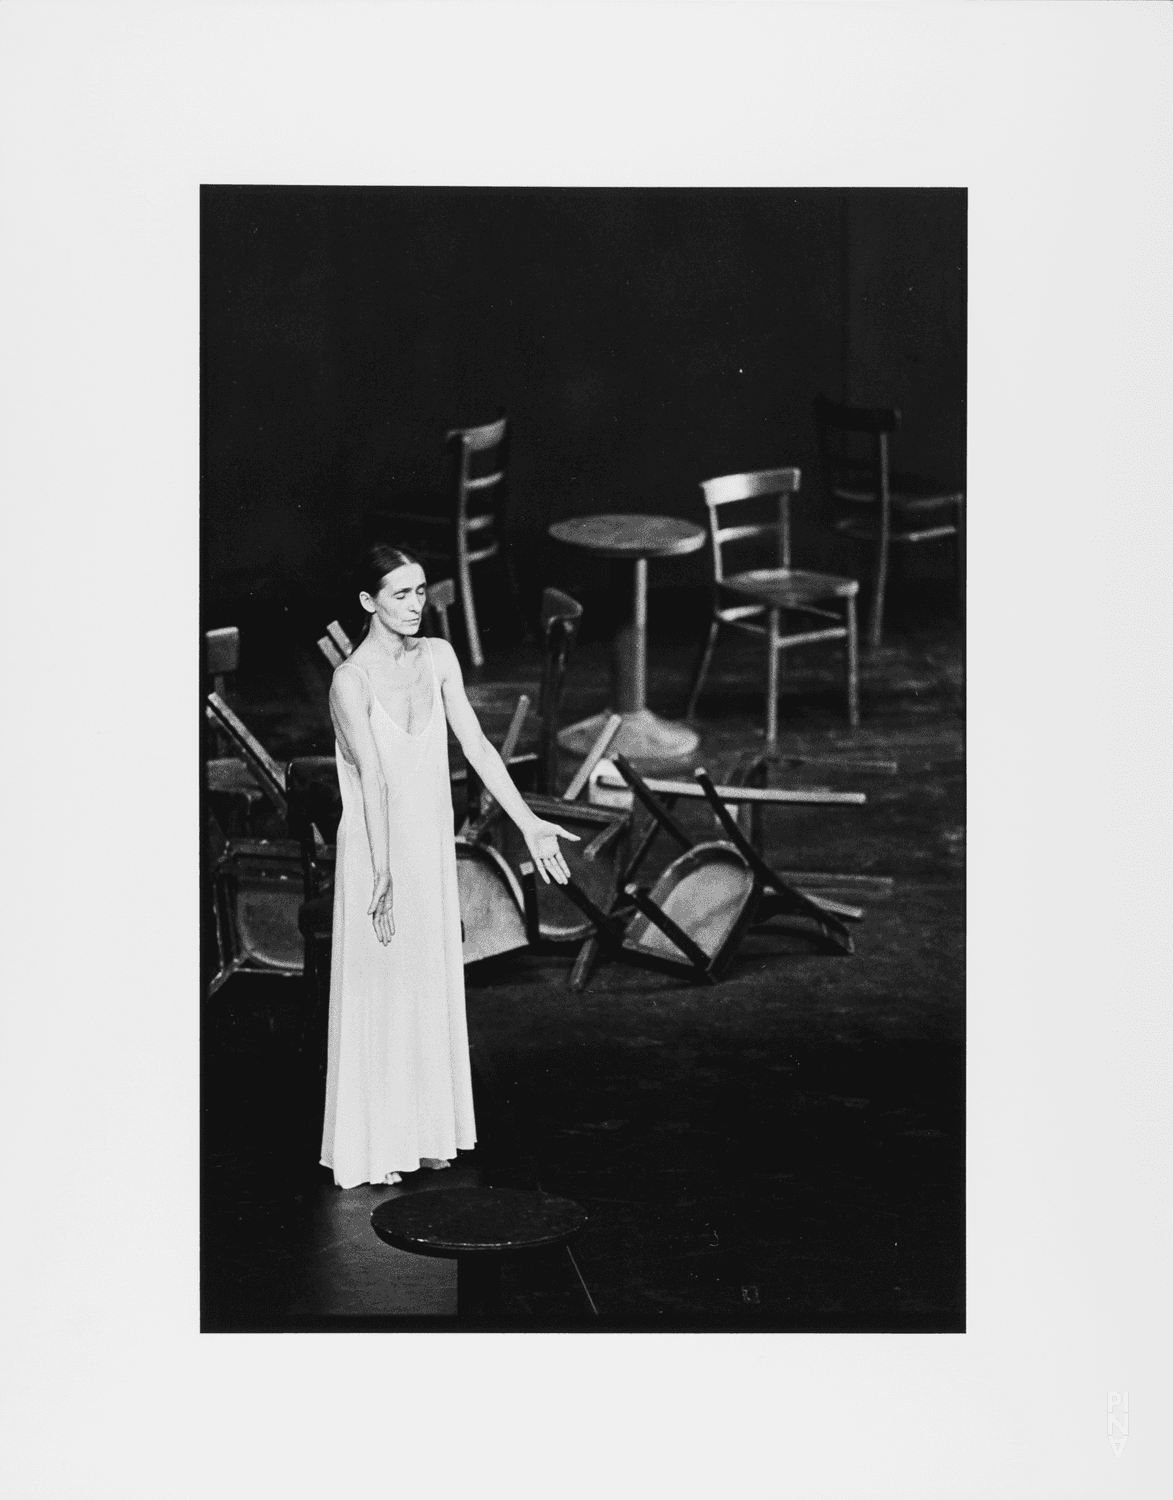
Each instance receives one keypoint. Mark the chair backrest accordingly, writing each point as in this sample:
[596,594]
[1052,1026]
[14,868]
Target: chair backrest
[269,773]
[441,597]
[482,456]
[758,485]
[560,619]
[221,651]
[853,446]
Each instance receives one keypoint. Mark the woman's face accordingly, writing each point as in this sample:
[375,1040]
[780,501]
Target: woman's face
[400,600]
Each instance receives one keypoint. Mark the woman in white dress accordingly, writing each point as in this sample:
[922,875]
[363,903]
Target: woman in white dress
[398,1085]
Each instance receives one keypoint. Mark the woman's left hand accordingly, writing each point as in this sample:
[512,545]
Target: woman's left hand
[541,839]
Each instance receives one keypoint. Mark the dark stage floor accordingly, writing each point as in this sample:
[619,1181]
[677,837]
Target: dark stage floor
[784,1151]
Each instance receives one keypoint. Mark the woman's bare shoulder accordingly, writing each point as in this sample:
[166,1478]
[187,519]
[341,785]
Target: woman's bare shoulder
[348,684]
[443,655]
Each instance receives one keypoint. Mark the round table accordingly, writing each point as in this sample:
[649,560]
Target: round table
[476,1227]
[644,737]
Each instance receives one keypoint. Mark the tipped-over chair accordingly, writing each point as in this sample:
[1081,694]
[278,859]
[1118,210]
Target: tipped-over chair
[756,599]
[691,921]
[886,508]
[553,924]
[463,526]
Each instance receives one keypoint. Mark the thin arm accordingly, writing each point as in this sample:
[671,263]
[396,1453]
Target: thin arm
[480,754]
[350,709]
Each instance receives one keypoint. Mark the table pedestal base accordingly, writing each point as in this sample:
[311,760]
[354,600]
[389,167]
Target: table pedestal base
[644,738]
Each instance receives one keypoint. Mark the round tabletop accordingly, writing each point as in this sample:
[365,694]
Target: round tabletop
[631,536]
[470,1221]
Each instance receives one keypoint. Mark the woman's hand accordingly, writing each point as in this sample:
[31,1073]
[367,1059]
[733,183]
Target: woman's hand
[380,908]
[541,839]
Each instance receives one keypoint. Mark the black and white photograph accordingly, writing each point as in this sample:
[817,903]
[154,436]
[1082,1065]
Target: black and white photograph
[587,832]
[583,581]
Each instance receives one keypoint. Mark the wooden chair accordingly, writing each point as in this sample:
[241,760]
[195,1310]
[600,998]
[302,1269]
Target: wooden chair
[886,508]
[465,525]
[691,921]
[552,922]
[560,620]
[234,791]
[743,598]
[260,884]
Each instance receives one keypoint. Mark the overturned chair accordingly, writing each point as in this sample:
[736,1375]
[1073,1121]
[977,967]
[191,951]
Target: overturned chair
[551,923]
[691,921]
[274,897]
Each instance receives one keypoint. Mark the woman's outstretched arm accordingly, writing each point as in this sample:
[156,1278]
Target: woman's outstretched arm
[541,837]
[350,711]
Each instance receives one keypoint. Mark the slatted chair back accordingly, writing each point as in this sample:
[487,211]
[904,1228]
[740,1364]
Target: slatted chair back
[853,443]
[762,485]
[481,456]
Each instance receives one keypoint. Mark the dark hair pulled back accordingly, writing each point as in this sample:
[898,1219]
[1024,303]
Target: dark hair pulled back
[377,560]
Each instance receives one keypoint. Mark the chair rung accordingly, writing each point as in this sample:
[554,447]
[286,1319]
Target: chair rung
[784,642]
[394,515]
[864,531]
[478,523]
[738,533]
[483,553]
[928,535]
[484,481]
[898,501]
[738,612]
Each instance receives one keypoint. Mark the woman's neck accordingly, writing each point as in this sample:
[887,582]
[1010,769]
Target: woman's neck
[386,641]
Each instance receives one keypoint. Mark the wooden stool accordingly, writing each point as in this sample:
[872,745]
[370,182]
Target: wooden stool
[477,1227]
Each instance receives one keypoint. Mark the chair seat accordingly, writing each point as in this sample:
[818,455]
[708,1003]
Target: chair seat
[789,588]
[231,775]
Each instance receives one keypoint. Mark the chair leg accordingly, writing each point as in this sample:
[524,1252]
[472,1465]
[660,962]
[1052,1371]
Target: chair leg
[702,669]
[880,584]
[852,665]
[584,964]
[772,679]
[475,654]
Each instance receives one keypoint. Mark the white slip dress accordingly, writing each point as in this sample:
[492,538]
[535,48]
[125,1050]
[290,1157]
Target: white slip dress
[398,1082]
